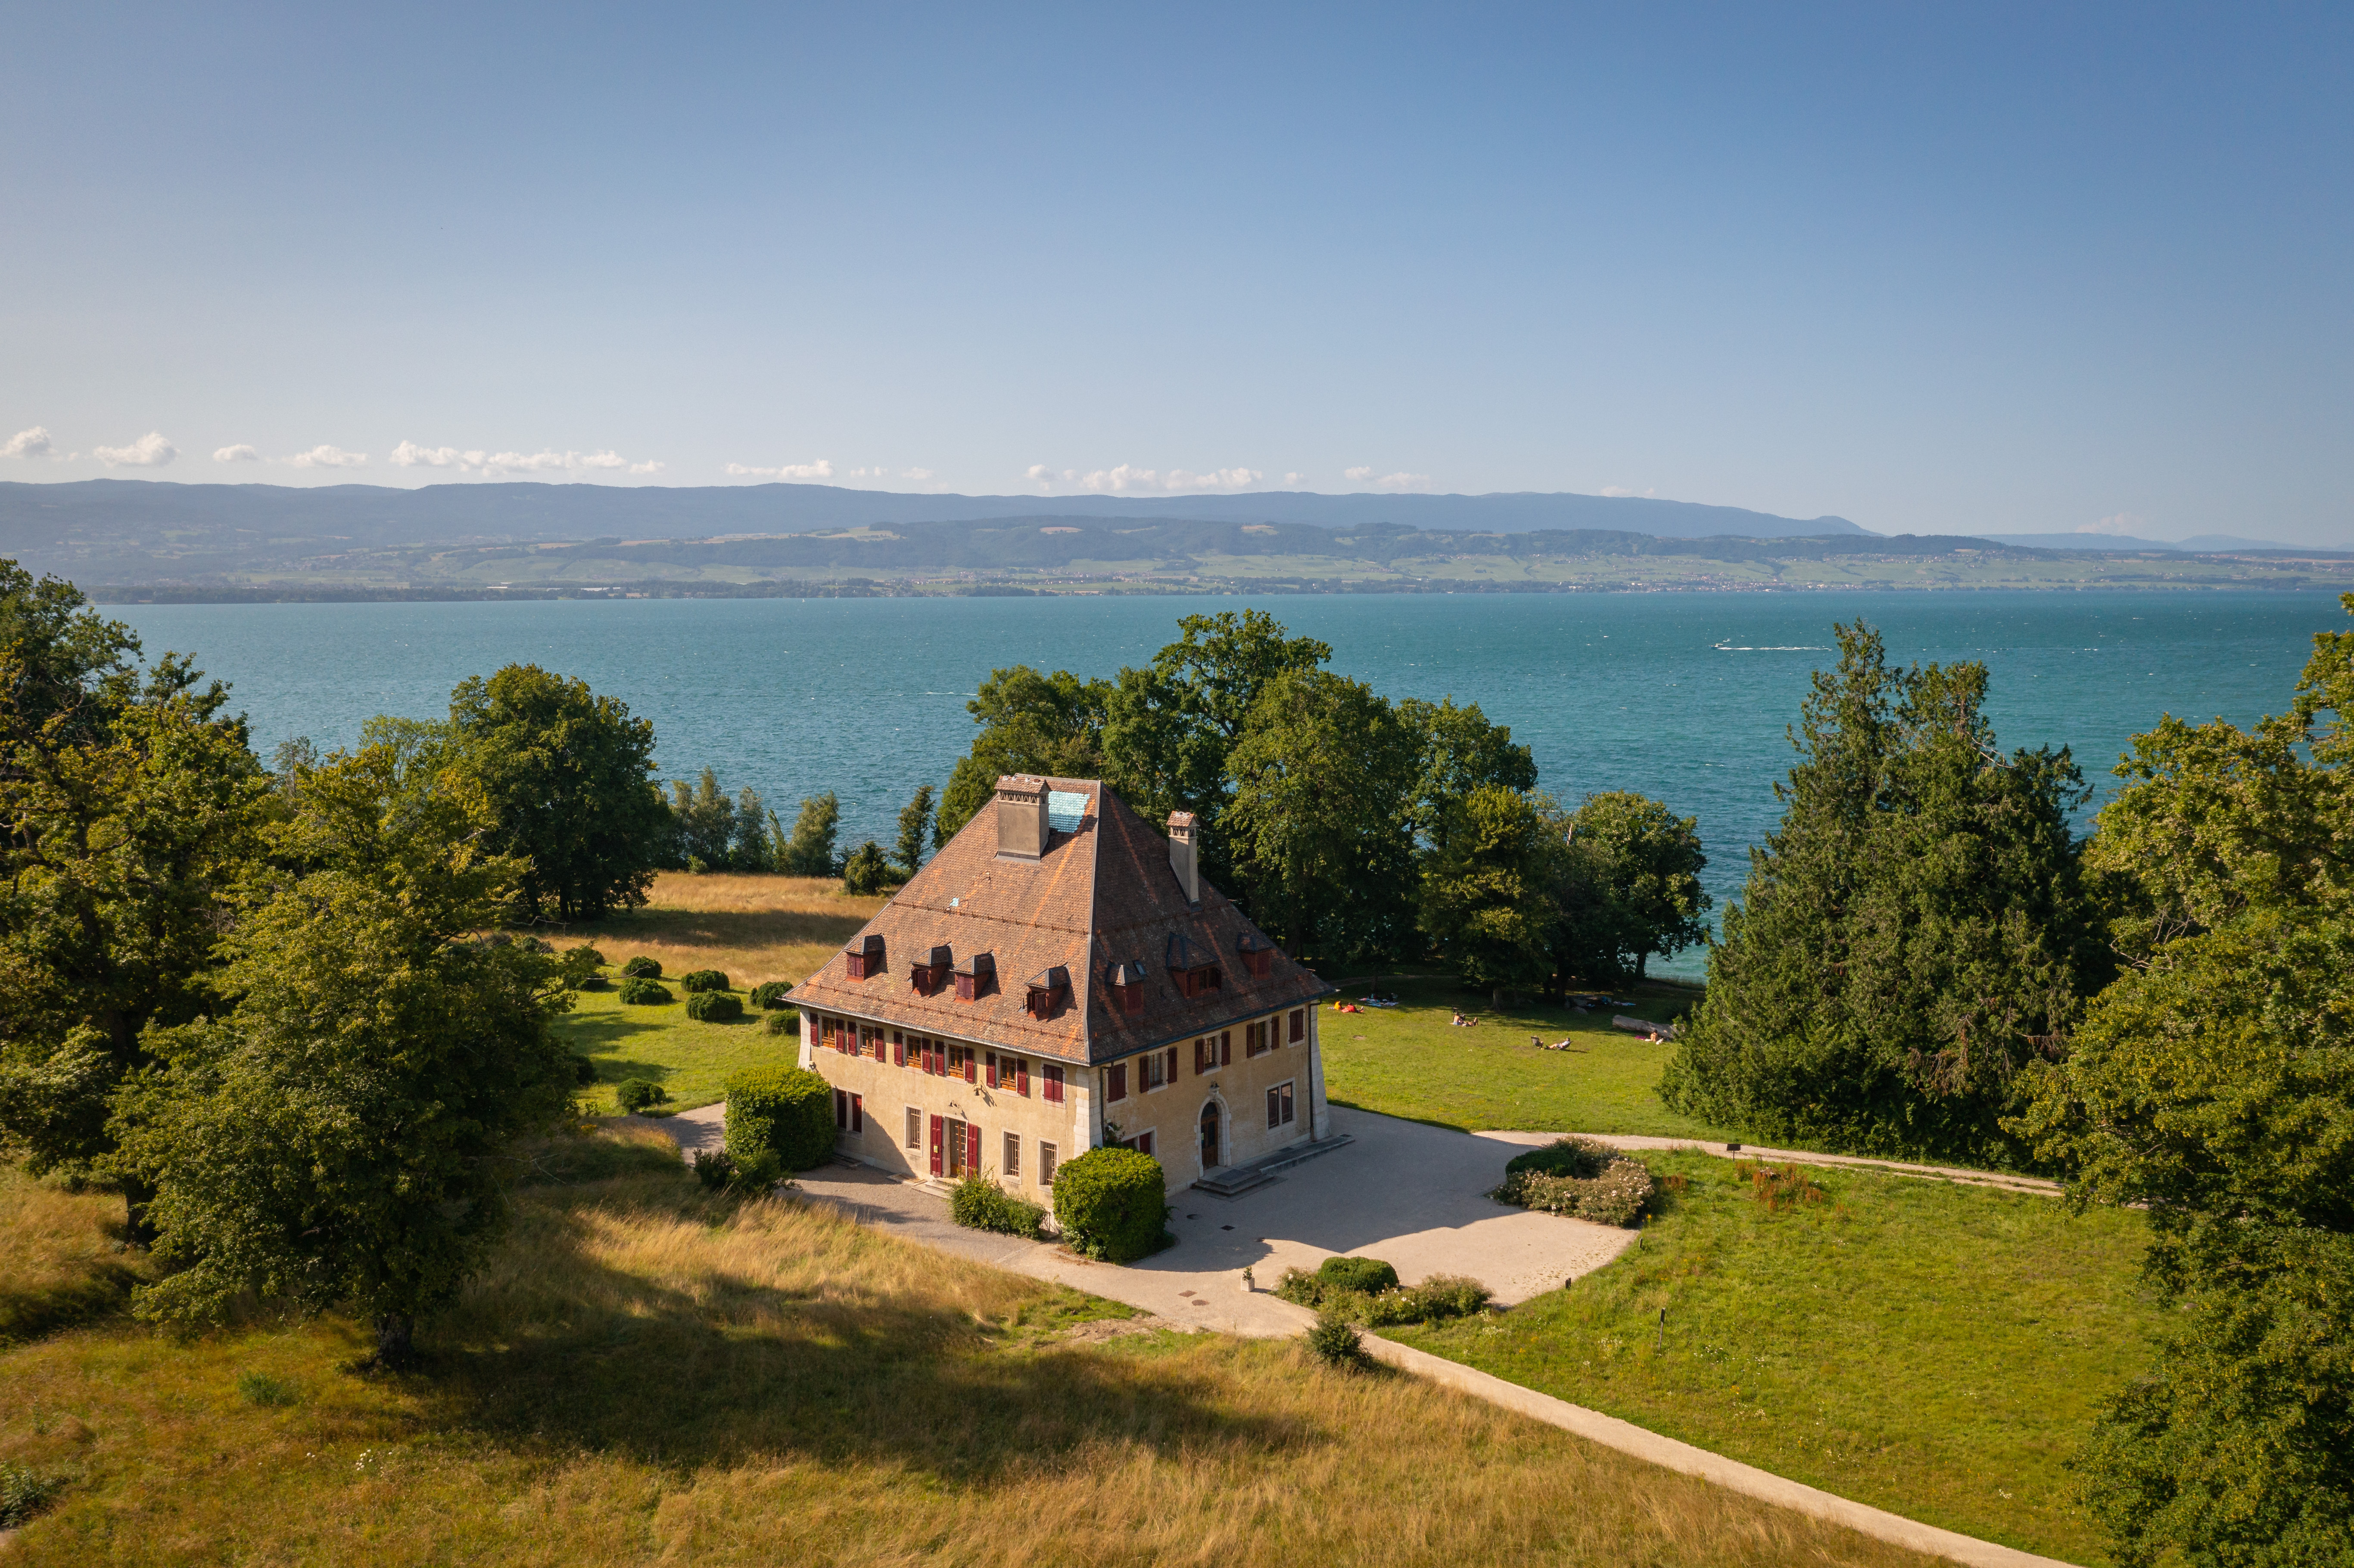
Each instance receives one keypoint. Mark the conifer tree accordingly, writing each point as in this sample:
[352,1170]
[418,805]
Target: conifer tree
[1914,931]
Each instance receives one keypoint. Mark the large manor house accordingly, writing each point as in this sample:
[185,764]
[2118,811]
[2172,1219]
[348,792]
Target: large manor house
[1057,979]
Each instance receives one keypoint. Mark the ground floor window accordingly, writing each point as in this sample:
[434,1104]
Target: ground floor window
[955,1147]
[915,1128]
[1278,1106]
[849,1112]
[1013,1154]
[1141,1142]
[1046,1164]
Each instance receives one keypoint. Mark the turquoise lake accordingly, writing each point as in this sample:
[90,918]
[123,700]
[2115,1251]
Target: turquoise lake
[1682,696]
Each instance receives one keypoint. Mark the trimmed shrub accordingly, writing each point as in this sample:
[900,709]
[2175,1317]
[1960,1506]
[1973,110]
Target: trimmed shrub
[713,1007]
[1578,1177]
[785,1023]
[644,992]
[1440,1296]
[1336,1342]
[636,1094]
[1368,1275]
[642,968]
[718,1172]
[787,1111]
[981,1204]
[704,980]
[769,995]
[1112,1204]
[1452,1295]
[580,968]
[584,1071]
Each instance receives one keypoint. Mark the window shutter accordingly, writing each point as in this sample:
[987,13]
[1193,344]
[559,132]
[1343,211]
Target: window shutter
[857,1113]
[1173,1064]
[972,1147]
[1274,1109]
[840,1109]
[898,1050]
[1298,1026]
[1022,1077]
[1115,1083]
[939,1147]
[971,1068]
[1226,1047]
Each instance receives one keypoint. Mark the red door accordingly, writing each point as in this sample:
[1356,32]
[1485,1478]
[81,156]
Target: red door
[939,1149]
[971,1149]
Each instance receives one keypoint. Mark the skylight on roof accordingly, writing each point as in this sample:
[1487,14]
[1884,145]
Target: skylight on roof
[1063,809]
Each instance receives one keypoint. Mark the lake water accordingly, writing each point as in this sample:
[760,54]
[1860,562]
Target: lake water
[1685,697]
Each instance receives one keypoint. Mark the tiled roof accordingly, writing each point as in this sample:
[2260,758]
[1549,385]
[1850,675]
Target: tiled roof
[1102,894]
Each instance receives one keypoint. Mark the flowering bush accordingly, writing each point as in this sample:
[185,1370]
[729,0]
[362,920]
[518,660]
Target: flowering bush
[1580,1178]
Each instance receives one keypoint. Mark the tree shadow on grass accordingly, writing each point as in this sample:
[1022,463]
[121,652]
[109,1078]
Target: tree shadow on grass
[725,927]
[715,1372]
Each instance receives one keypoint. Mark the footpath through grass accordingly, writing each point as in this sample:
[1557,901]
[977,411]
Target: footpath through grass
[754,928]
[1409,1061]
[1936,1351]
[647,1374]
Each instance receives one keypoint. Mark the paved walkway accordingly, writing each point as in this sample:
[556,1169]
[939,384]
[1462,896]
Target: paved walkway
[2004,1179]
[1415,1196]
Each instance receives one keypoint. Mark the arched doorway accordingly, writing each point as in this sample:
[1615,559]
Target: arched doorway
[1210,1135]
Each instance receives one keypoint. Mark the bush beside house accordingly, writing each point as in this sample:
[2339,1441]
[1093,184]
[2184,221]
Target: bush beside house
[1112,1204]
[784,1111]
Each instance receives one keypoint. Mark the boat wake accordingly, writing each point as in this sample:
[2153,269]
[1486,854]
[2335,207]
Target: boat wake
[1780,648]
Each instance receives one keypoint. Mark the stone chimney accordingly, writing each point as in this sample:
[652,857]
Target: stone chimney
[1021,832]
[1181,855]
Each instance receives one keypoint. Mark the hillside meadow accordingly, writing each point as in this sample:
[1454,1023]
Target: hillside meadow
[648,1373]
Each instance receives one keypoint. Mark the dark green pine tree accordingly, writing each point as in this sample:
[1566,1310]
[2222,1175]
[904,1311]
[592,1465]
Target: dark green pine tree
[1913,933]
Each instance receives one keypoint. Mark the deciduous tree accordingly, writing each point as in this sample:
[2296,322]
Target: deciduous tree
[569,777]
[1488,891]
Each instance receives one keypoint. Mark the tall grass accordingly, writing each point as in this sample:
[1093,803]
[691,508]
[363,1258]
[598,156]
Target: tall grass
[650,1374]
[756,927]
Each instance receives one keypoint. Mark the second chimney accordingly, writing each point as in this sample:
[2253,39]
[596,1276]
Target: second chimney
[1022,816]
[1181,855]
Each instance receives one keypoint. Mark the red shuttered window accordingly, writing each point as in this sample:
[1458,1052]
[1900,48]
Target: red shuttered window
[1115,1082]
[1172,1075]
[971,1149]
[992,1069]
[1298,1026]
[939,1147]
[1051,1089]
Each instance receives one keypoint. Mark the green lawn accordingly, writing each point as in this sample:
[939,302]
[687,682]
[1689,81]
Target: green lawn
[1936,1351]
[1409,1061]
[690,1061]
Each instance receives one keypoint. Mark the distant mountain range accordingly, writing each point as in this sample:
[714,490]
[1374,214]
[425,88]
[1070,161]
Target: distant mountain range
[372,516]
[2200,544]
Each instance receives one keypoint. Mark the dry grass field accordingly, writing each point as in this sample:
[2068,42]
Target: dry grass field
[756,927]
[648,1374]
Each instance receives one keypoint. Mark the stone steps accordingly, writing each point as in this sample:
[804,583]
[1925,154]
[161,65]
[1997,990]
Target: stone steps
[1234,1181]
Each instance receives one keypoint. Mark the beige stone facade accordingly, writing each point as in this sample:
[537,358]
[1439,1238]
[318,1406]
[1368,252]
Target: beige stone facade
[1015,1117]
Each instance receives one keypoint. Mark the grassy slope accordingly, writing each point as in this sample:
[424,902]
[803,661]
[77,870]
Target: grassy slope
[1936,1351]
[1408,1060]
[647,1375]
[755,929]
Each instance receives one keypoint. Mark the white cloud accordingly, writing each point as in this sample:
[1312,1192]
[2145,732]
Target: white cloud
[1291,480]
[917,473]
[1127,479]
[327,457]
[2116,522]
[1404,482]
[494,465]
[239,453]
[821,469]
[150,450]
[1359,474]
[32,443]
[1620,490]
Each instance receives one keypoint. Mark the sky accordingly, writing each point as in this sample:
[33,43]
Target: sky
[1957,268]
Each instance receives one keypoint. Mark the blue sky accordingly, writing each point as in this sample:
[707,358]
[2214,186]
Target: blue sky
[1977,268]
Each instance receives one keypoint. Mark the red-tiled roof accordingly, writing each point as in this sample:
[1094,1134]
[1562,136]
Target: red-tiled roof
[1100,896]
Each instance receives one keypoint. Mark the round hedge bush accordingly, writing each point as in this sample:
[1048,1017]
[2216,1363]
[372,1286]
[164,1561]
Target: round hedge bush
[787,1111]
[584,1071]
[1582,1158]
[769,995]
[704,980]
[784,1022]
[1369,1275]
[644,992]
[713,1007]
[635,1095]
[1111,1203]
[642,968]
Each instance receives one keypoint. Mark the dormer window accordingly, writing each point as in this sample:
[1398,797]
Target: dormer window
[1258,953]
[933,973]
[1048,990]
[865,960]
[1193,967]
[976,976]
[1125,985]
